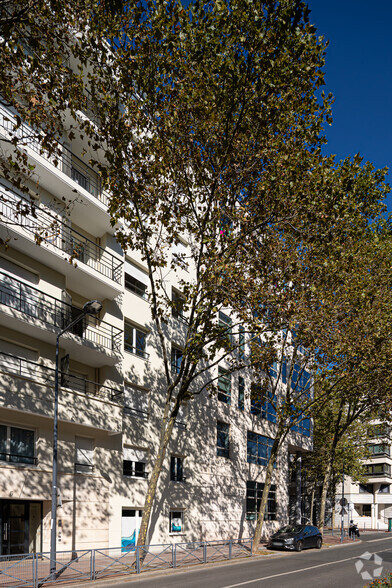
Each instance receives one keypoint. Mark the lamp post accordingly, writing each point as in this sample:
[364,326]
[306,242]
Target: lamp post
[93,307]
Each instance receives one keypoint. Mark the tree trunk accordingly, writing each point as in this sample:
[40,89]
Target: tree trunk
[264,497]
[326,481]
[153,482]
[312,504]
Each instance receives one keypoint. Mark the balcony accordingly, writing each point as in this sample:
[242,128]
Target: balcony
[34,224]
[62,172]
[45,311]
[25,384]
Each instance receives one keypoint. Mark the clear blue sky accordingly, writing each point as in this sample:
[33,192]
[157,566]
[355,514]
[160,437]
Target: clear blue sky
[359,75]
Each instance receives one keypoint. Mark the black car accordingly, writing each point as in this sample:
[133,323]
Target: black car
[296,537]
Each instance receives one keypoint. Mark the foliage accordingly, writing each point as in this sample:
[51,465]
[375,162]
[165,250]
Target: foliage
[385,582]
[207,129]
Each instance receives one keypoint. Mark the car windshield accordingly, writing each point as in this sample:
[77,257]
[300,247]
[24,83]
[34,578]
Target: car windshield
[291,529]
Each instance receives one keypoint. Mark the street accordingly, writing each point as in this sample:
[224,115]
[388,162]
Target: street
[337,567]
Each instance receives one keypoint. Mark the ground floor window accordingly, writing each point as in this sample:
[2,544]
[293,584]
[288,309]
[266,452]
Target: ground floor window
[254,492]
[176,521]
[17,445]
[130,525]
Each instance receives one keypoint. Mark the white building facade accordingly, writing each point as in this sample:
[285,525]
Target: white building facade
[110,391]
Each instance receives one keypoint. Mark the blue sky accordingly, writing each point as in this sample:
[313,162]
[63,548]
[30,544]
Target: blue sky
[359,75]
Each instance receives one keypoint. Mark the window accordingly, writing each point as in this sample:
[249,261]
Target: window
[225,323]
[224,386]
[241,393]
[302,426]
[378,469]
[379,449]
[176,359]
[241,342]
[176,469]
[223,439]
[135,340]
[176,521]
[178,302]
[136,280]
[84,455]
[254,491]
[17,445]
[256,399]
[258,448]
[134,462]
[135,401]
[300,377]
[384,489]
[366,488]
[273,370]
[80,179]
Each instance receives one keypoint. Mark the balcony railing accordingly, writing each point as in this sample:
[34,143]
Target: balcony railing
[64,160]
[136,412]
[45,227]
[43,375]
[56,313]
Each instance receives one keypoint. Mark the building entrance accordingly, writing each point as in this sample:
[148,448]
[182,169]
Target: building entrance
[20,526]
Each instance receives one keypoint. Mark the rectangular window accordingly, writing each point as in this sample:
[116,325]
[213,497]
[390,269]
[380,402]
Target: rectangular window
[134,462]
[254,491]
[259,448]
[378,469]
[176,469]
[178,305]
[241,342]
[256,399]
[176,359]
[135,340]
[17,445]
[223,439]
[84,455]
[176,521]
[224,386]
[136,280]
[225,324]
[379,449]
[135,286]
[241,393]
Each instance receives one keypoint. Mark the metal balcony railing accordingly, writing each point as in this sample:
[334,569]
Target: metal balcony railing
[64,160]
[54,312]
[42,375]
[42,225]
[136,412]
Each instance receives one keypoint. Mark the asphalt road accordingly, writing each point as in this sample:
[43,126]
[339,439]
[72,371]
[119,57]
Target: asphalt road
[335,567]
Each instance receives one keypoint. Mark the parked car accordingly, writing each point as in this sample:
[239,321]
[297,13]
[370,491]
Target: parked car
[296,537]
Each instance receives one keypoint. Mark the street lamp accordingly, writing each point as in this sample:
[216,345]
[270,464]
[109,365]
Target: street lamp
[93,307]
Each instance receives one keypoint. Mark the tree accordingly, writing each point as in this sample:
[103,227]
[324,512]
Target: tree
[207,127]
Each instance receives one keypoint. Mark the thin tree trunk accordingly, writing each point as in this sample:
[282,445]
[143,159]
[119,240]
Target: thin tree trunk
[264,497]
[326,481]
[312,503]
[153,482]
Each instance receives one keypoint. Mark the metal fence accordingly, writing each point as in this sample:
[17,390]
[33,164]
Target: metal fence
[33,569]
[49,229]
[56,313]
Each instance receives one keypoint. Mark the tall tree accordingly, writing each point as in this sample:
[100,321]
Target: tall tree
[207,127]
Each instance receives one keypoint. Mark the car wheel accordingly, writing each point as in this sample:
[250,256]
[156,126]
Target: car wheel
[299,546]
[319,543]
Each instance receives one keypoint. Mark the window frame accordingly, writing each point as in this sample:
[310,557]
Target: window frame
[177,469]
[224,385]
[223,433]
[15,458]
[270,513]
[132,347]
[171,517]
[263,447]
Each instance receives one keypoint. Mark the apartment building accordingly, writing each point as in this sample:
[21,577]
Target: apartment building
[110,383]
[369,505]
